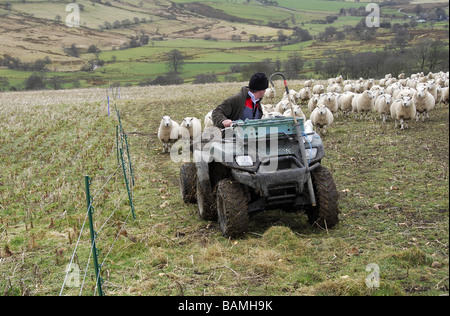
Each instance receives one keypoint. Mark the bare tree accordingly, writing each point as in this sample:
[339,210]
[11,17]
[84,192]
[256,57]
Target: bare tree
[175,60]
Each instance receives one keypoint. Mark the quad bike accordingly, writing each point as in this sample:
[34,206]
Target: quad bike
[240,176]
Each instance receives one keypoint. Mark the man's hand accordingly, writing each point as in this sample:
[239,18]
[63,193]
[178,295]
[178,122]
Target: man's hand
[227,123]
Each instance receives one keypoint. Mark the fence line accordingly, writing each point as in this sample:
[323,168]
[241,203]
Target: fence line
[124,163]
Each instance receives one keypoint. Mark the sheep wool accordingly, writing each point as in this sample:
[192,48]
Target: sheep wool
[208,120]
[383,106]
[298,112]
[424,103]
[403,110]
[344,102]
[168,132]
[190,126]
[329,100]
[362,103]
[312,103]
[321,117]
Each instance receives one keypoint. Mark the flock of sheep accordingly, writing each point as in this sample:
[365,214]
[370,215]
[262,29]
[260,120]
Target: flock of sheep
[401,98]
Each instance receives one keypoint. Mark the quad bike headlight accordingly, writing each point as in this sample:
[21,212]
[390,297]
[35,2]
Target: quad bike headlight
[244,161]
[311,153]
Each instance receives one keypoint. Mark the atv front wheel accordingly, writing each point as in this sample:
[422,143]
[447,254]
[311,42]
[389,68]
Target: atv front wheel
[188,182]
[325,213]
[231,208]
[205,200]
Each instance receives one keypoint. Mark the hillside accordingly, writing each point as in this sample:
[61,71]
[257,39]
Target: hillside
[130,39]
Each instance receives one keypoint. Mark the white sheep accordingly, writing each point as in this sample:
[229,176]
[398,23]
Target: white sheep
[335,87]
[402,110]
[406,91]
[282,106]
[321,117]
[304,94]
[270,93]
[309,83]
[445,99]
[298,112]
[432,88]
[362,103]
[293,95]
[318,89]
[344,102]
[190,126]
[271,115]
[168,132]
[376,91]
[312,103]
[424,103]
[383,105]
[349,87]
[208,119]
[369,84]
[266,108]
[329,99]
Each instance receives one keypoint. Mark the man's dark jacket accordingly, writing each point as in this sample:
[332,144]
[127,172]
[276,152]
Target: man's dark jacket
[232,108]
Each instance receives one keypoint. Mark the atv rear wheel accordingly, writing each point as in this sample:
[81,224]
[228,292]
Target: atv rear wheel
[232,208]
[188,182]
[325,213]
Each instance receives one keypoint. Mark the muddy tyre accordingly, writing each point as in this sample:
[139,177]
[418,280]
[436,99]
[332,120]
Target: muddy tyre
[188,182]
[232,208]
[325,214]
[205,200]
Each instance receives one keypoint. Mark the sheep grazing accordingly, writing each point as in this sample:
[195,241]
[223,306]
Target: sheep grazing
[168,132]
[344,102]
[362,103]
[321,117]
[403,110]
[424,103]
[190,126]
[329,99]
[383,105]
[298,112]
[208,120]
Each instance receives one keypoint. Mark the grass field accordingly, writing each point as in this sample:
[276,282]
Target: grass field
[393,185]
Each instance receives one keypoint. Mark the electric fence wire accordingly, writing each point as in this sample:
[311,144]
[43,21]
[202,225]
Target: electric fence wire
[82,228]
[109,251]
[95,239]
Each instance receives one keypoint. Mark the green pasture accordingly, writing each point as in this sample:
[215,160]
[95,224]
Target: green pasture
[393,196]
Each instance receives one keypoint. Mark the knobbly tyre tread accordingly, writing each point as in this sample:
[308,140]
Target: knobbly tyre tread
[188,182]
[325,214]
[206,200]
[232,208]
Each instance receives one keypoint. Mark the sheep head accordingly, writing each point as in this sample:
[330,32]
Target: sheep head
[166,121]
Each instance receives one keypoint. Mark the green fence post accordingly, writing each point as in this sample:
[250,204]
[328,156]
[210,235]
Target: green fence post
[129,160]
[93,236]
[126,183]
